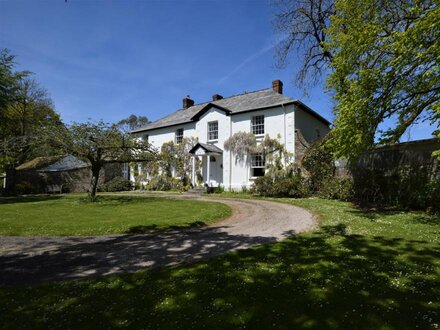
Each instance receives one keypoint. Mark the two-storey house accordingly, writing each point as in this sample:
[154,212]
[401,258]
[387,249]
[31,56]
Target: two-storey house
[263,112]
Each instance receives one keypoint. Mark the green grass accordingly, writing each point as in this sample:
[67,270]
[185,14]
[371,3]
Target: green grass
[51,215]
[360,270]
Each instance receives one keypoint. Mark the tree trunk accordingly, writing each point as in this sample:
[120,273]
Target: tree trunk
[96,168]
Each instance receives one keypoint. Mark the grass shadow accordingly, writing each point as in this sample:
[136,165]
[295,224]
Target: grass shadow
[306,282]
[29,199]
[154,227]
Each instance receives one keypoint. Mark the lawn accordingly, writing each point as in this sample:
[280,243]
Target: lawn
[360,270]
[60,215]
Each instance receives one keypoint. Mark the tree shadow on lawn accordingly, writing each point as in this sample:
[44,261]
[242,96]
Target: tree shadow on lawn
[323,280]
[148,229]
[421,217]
[38,259]
[29,199]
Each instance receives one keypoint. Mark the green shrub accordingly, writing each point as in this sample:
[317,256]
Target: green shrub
[118,184]
[319,162]
[433,199]
[290,186]
[164,183]
[405,187]
[262,186]
[25,187]
[337,188]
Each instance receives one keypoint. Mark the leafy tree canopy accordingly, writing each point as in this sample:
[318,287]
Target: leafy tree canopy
[386,65]
[99,144]
[382,60]
[25,112]
[132,122]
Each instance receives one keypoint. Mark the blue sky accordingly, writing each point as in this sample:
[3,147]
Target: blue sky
[109,59]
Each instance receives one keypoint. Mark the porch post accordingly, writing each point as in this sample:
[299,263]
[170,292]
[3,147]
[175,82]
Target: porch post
[208,165]
[193,176]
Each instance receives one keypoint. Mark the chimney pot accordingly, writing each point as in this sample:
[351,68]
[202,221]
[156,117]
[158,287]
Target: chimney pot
[187,102]
[216,97]
[277,86]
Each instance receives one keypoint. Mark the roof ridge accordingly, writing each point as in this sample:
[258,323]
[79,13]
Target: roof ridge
[229,97]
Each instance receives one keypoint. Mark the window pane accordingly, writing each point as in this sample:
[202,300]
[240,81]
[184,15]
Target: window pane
[257,160]
[179,135]
[258,171]
[257,125]
[213,130]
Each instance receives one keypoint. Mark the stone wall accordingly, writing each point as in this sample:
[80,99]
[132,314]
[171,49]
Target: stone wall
[415,154]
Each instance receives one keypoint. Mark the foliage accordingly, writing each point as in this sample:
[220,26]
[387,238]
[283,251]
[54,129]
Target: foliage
[98,144]
[74,215]
[24,188]
[319,163]
[337,188]
[385,66]
[118,184]
[382,62]
[357,270]
[405,187]
[294,186]
[132,122]
[241,144]
[164,182]
[26,112]
[173,158]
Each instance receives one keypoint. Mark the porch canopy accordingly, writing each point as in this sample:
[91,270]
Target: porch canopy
[203,150]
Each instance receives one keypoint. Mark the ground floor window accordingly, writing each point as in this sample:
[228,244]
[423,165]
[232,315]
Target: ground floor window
[257,165]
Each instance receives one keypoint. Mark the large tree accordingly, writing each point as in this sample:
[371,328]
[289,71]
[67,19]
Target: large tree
[386,70]
[382,60]
[132,122]
[99,144]
[25,112]
[304,24]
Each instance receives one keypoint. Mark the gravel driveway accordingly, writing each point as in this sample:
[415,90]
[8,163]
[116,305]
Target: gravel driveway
[37,259]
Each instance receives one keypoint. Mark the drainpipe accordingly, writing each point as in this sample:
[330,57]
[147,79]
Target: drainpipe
[230,155]
[284,119]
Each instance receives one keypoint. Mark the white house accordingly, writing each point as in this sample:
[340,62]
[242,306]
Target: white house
[263,112]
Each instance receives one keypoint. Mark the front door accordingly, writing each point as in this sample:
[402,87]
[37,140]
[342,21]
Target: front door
[216,171]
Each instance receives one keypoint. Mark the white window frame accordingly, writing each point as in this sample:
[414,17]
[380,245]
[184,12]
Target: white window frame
[257,161]
[257,125]
[178,137]
[212,133]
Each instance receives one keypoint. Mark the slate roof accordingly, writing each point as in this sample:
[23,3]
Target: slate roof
[52,164]
[265,98]
[207,147]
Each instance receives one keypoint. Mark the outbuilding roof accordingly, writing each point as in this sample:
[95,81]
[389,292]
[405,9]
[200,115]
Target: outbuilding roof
[52,164]
[245,102]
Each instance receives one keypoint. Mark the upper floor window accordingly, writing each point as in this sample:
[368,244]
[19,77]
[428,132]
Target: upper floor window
[213,130]
[145,138]
[179,136]
[257,125]
[258,164]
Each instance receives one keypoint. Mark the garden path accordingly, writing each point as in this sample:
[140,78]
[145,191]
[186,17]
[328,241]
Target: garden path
[38,259]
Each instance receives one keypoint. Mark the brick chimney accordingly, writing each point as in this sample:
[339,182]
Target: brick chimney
[216,97]
[187,102]
[277,86]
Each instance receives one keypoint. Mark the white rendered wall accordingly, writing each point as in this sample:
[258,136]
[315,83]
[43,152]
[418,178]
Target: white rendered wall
[279,123]
[201,131]
[159,136]
[309,125]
